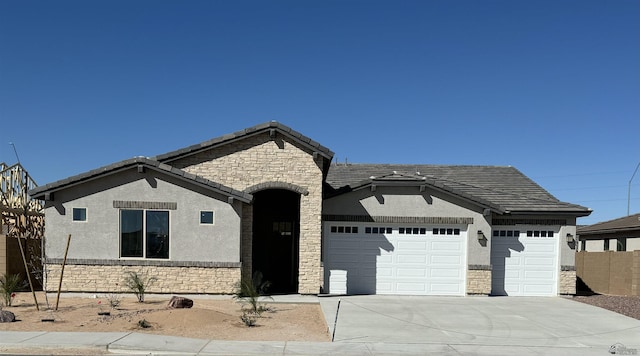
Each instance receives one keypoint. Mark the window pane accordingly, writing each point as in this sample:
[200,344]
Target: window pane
[79,214]
[131,233]
[157,234]
[206,217]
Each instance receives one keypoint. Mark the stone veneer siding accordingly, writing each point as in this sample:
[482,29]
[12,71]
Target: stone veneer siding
[256,160]
[567,280]
[479,280]
[106,278]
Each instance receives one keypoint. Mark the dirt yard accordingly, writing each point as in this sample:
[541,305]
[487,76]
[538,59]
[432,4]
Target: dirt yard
[209,318]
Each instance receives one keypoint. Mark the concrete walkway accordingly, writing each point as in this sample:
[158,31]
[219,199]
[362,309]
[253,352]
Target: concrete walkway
[394,325]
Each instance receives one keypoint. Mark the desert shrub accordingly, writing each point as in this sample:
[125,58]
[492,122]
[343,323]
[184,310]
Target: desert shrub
[143,323]
[9,284]
[249,318]
[138,283]
[114,299]
[249,293]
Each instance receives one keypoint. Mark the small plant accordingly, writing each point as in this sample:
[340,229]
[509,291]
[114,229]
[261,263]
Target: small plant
[249,292]
[9,284]
[249,318]
[138,284]
[143,323]
[113,299]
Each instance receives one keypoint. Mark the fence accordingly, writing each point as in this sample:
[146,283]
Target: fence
[609,272]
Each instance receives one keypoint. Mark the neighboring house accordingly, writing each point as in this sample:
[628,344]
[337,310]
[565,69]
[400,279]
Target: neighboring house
[21,224]
[268,199]
[622,234]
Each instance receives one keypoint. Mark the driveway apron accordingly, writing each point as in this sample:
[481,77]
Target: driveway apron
[465,323]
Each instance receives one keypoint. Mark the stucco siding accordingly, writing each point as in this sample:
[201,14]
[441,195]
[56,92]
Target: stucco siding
[99,236]
[410,202]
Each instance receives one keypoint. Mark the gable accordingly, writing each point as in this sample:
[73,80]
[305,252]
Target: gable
[111,176]
[239,141]
[502,189]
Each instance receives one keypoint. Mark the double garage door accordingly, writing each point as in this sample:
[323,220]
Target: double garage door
[395,259]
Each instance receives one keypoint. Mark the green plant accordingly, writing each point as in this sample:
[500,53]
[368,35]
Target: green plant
[9,284]
[138,284]
[250,291]
[249,318]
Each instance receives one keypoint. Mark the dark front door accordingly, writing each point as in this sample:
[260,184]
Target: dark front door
[276,215]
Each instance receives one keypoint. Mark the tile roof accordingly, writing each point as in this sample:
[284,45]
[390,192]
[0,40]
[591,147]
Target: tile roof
[39,192]
[258,129]
[631,222]
[503,189]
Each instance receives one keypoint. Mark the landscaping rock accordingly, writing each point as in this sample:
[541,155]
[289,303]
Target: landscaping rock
[7,316]
[180,302]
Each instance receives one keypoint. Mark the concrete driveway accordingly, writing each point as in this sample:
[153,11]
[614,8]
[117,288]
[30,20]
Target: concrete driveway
[480,325]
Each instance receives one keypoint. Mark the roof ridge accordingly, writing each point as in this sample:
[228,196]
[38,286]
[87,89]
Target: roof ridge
[233,136]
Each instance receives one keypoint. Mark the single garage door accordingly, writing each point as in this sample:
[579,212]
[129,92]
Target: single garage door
[525,261]
[395,259]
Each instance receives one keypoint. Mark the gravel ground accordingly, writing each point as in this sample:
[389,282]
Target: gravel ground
[625,305]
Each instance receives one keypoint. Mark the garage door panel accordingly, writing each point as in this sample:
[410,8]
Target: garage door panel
[411,272]
[446,288]
[444,273]
[416,246]
[452,246]
[413,287]
[406,258]
[541,248]
[539,261]
[531,276]
[453,260]
[385,258]
[513,274]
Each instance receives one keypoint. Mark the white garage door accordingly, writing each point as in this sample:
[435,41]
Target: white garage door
[395,259]
[525,261]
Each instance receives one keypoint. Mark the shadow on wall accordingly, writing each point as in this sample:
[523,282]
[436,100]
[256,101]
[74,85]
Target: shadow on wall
[501,248]
[354,264]
[583,288]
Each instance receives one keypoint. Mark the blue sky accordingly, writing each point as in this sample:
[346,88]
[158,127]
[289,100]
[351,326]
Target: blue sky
[550,87]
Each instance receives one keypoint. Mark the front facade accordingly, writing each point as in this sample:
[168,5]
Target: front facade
[267,199]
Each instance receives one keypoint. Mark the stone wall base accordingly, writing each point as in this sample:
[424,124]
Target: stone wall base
[567,282]
[101,279]
[479,281]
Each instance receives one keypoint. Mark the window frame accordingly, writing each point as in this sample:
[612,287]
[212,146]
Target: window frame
[145,235]
[213,217]
[73,214]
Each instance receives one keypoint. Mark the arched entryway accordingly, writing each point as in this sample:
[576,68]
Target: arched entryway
[276,230]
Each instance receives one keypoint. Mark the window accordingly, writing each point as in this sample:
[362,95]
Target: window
[606,244]
[345,229]
[448,231]
[206,217]
[377,230]
[621,244]
[79,214]
[144,233]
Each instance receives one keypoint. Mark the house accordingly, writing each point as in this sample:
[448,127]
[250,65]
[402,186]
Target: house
[622,234]
[268,199]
